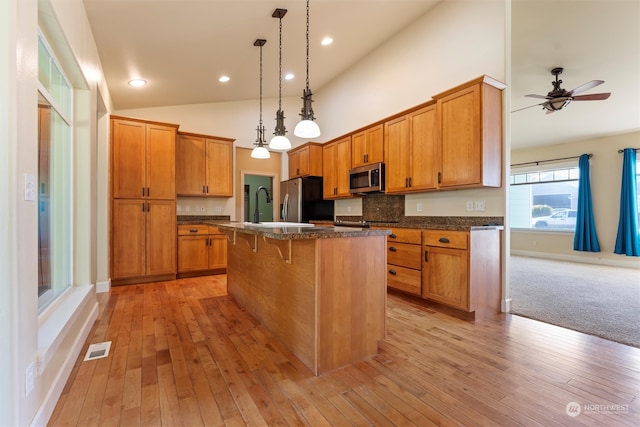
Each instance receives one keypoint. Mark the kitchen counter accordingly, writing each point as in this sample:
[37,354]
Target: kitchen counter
[320,290]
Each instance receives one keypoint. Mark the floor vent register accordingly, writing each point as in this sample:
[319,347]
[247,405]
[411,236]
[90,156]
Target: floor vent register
[98,350]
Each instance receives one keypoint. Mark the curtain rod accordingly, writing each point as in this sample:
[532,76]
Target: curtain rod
[550,160]
[634,149]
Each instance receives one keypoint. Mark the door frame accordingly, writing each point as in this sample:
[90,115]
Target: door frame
[275,182]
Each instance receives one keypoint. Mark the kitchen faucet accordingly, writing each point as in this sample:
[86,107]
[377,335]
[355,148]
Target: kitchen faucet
[256,213]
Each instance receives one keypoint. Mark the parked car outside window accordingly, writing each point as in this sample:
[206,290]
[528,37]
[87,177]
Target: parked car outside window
[565,219]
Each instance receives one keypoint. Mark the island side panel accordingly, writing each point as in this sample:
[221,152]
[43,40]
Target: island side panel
[352,295]
[279,295]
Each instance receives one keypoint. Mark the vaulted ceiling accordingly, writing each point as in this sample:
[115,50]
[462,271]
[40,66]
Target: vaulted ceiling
[182,47]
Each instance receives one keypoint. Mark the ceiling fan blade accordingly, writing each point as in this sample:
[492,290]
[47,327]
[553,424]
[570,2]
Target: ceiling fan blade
[537,96]
[592,97]
[586,86]
[524,108]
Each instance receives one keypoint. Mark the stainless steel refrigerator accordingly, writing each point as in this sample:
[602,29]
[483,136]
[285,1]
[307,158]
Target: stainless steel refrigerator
[301,200]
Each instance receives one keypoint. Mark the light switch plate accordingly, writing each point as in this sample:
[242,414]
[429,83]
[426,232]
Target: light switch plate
[30,187]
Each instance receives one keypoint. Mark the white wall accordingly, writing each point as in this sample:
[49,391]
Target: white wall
[606,177]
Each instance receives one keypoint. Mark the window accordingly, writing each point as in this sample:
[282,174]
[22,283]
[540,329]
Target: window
[54,178]
[544,199]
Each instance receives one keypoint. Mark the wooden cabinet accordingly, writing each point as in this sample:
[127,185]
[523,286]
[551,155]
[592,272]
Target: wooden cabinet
[404,260]
[143,159]
[461,269]
[411,149]
[204,165]
[143,242]
[470,126]
[201,248]
[367,146]
[305,160]
[336,165]
[143,206]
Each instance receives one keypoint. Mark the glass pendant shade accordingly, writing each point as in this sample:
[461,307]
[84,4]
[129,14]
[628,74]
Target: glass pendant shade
[260,152]
[307,129]
[279,142]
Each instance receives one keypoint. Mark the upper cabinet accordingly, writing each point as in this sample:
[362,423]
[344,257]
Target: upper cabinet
[305,160]
[367,146]
[143,159]
[452,142]
[204,165]
[470,125]
[336,165]
[411,151]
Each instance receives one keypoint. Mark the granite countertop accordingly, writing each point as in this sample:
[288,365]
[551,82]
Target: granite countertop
[297,233]
[203,219]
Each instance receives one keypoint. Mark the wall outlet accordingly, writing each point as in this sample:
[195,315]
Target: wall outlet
[179,208]
[419,207]
[30,378]
[480,205]
[29,187]
[469,205]
[218,209]
[349,209]
[187,208]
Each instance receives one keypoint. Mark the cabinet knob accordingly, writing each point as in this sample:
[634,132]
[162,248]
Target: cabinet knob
[393,235]
[393,248]
[193,230]
[392,272]
[443,240]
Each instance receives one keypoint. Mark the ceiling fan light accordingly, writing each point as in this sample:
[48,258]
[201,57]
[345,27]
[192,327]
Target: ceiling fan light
[307,129]
[279,142]
[557,105]
[260,152]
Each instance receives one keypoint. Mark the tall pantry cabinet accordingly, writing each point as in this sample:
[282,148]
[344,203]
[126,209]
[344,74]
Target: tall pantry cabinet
[143,211]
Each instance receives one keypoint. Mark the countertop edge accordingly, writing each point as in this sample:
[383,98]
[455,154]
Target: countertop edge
[299,233]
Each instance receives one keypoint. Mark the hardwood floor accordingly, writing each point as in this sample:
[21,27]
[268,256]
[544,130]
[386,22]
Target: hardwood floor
[185,354]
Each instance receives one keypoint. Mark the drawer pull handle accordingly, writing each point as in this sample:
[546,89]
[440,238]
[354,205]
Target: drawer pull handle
[426,256]
[393,248]
[392,272]
[392,235]
[443,240]
[193,230]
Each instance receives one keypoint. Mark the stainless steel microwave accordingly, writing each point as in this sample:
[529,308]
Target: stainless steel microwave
[367,178]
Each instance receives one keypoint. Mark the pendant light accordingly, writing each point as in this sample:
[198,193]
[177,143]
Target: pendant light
[280,141]
[260,151]
[307,128]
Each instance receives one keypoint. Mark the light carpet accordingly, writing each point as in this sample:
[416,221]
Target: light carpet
[598,300]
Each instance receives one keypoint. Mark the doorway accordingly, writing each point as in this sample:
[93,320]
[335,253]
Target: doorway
[251,185]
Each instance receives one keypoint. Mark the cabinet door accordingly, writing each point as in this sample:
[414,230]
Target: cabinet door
[445,277]
[160,237]
[367,146]
[294,164]
[127,238]
[219,168]
[343,165]
[461,148]
[161,162]
[193,253]
[396,154]
[190,165]
[217,251]
[128,159]
[424,154]
[329,182]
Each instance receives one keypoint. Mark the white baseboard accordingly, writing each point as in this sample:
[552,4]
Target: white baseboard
[51,399]
[623,263]
[102,287]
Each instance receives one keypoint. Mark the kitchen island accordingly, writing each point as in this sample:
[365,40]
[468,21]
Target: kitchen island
[320,290]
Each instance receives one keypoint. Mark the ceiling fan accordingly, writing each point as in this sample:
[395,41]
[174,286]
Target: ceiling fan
[558,98]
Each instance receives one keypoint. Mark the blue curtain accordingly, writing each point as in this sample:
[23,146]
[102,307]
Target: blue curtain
[585,238]
[628,240]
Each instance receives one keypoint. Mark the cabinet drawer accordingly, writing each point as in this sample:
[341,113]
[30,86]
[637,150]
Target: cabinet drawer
[192,229]
[404,254]
[214,230]
[404,279]
[446,239]
[405,235]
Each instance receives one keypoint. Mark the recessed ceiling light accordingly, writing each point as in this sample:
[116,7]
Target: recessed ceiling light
[289,76]
[326,41]
[224,79]
[137,82]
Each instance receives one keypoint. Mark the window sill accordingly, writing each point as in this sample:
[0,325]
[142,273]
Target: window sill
[56,320]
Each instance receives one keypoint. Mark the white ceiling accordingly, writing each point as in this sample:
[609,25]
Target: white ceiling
[181,47]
